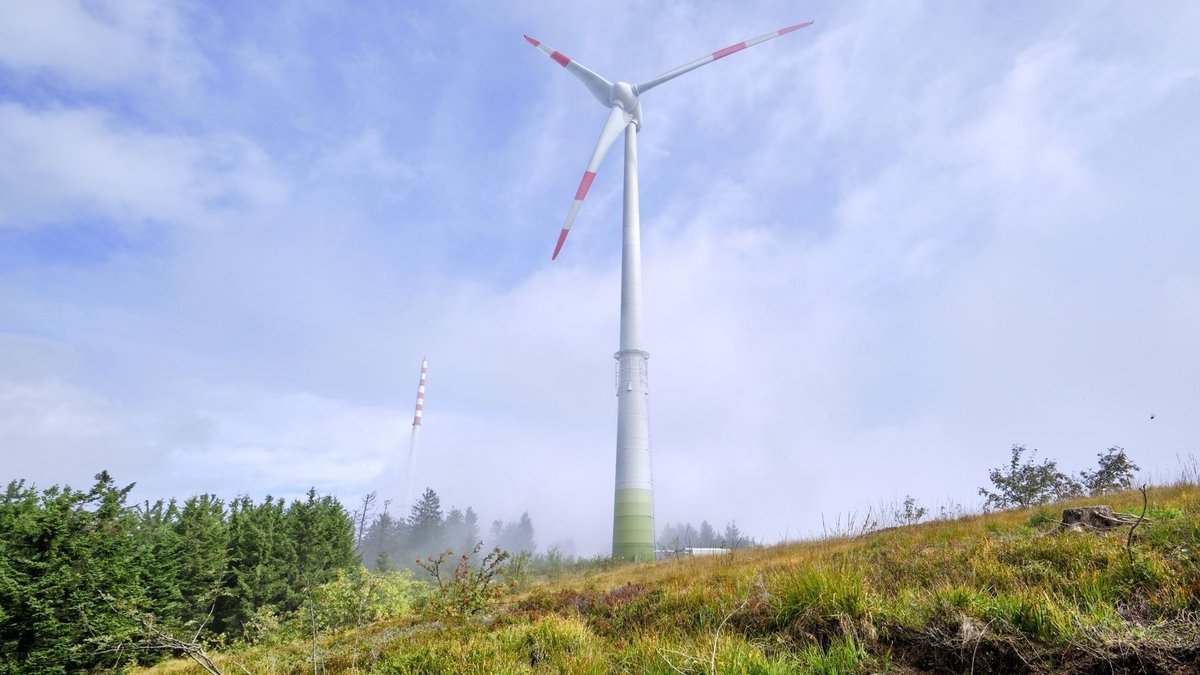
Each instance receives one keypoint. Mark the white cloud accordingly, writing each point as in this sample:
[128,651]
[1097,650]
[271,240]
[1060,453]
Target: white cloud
[82,161]
[364,158]
[54,431]
[101,44]
[255,441]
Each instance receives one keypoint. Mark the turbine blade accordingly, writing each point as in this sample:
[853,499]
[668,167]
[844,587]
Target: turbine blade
[617,120]
[719,54]
[600,87]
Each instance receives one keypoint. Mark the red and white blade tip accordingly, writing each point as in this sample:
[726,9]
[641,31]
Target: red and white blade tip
[789,29]
[562,236]
[559,57]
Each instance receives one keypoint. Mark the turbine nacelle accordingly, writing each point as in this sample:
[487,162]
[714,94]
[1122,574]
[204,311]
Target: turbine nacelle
[625,95]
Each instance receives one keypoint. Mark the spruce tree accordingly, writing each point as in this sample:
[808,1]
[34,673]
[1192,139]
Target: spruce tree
[201,550]
[471,533]
[522,539]
[425,524]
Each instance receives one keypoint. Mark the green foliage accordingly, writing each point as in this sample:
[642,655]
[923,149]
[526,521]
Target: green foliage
[1164,513]
[354,598]
[80,570]
[260,558]
[551,564]
[428,530]
[1024,483]
[358,596]
[1042,517]
[551,641]
[62,550]
[467,589]
[192,559]
[1114,473]
[911,512]
[817,595]
[843,656]
[425,523]
[1033,614]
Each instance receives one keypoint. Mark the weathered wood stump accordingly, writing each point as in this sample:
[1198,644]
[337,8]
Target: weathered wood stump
[1094,519]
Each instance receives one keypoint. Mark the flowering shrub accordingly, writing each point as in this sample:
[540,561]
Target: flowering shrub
[467,589]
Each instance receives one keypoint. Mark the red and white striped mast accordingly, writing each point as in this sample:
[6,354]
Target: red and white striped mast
[420,394]
[418,413]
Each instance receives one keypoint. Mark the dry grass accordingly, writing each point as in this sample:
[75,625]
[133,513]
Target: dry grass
[992,593]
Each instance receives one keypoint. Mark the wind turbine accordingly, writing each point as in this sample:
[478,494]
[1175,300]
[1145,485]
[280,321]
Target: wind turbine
[633,509]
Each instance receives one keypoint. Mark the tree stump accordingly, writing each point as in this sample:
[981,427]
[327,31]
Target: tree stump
[1094,519]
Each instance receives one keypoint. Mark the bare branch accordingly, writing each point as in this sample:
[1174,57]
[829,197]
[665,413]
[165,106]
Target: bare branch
[1129,541]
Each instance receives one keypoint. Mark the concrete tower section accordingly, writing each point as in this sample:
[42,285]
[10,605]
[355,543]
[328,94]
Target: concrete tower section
[633,509]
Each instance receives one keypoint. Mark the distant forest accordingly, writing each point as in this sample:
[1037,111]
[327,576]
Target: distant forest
[386,542]
[685,535]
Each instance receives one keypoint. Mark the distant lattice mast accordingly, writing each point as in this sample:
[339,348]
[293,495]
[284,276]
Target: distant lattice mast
[421,393]
[418,413]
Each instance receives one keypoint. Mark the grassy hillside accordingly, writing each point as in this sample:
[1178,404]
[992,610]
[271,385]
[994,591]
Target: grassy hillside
[997,593]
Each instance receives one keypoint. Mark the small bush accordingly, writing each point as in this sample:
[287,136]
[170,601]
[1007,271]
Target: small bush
[1024,483]
[466,589]
[361,596]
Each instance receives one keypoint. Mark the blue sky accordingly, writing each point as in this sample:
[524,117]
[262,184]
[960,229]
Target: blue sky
[877,251]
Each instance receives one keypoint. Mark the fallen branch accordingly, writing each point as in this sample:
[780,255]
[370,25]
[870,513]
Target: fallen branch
[161,640]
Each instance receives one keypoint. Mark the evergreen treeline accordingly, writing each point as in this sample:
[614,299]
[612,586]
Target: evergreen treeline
[81,571]
[385,542]
[84,576]
[685,535]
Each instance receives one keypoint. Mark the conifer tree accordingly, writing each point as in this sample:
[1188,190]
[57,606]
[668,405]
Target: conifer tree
[523,536]
[471,533]
[260,557]
[452,530]
[201,555]
[425,524]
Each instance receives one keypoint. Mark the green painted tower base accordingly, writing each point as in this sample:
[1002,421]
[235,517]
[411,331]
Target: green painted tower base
[633,525]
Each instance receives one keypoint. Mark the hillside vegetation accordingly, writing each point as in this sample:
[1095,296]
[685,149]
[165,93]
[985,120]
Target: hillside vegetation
[994,593]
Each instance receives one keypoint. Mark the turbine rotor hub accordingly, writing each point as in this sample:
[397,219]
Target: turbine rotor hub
[625,95]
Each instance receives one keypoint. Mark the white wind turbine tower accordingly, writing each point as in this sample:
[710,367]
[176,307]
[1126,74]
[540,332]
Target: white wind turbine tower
[633,510]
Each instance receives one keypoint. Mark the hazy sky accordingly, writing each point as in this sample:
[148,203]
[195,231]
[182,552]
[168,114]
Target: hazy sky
[877,252]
